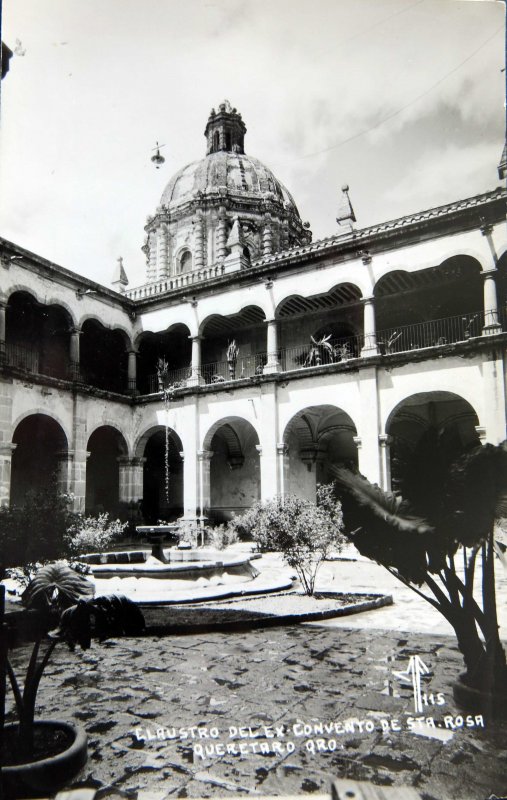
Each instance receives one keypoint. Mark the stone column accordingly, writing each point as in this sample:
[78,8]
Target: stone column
[491,324]
[151,272]
[131,479]
[6,451]
[368,426]
[369,328]
[80,456]
[204,458]
[385,461]
[65,471]
[273,364]
[282,451]
[74,354]
[3,306]
[198,242]
[493,416]
[221,235]
[196,378]
[162,259]
[132,371]
[267,237]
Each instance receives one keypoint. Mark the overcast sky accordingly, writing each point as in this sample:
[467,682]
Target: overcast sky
[401,99]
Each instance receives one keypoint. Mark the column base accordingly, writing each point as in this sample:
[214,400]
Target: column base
[195,380]
[371,350]
[269,369]
[491,330]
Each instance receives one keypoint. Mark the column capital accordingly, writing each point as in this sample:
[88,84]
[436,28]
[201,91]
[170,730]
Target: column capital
[385,440]
[65,455]
[481,432]
[204,455]
[7,448]
[132,350]
[489,272]
[282,448]
[127,461]
[486,229]
[75,330]
[357,441]
[197,338]
[366,257]
[258,447]
[369,298]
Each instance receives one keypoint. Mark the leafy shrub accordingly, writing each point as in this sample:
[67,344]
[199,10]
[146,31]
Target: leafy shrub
[305,532]
[92,534]
[222,536]
[35,532]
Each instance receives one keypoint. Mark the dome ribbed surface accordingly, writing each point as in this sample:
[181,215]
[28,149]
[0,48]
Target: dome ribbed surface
[233,173]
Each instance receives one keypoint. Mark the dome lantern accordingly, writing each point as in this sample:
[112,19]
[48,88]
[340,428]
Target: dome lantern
[225,130]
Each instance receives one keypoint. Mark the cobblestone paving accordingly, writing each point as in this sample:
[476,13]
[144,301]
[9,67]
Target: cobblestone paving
[284,676]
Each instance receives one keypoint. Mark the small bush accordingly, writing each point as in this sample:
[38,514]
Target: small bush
[35,531]
[303,531]
[222,536]
[92,534]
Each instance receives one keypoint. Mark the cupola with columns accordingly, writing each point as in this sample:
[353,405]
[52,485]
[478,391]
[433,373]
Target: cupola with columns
[219,214]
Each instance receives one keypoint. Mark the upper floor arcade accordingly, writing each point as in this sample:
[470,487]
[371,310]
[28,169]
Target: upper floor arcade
[405,290]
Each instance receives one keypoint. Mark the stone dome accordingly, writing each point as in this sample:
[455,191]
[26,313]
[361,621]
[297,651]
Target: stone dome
[221,213]
[229,174]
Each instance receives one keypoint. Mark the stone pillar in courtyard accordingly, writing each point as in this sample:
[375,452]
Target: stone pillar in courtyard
[491,321]
[80,453]
[282,451]
[204,500]
[369,328]
[368,426]
[6,451]
[131,479]
[132,371]
[74,354]
[64,476]
[3,307]
[267,414]
[272,364]
[196,378]
[385,442]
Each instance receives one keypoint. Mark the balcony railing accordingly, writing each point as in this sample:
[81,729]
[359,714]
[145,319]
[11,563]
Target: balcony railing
[433,333]
[403,338]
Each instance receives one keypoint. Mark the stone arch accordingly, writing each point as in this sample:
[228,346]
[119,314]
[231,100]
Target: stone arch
[428,431]
[106,445]
[172,346]
[39,459]
[234,445]
[247,328]
[159,504]
[37,335]
[317,437]
[43,301]
[448,291]
[124,332]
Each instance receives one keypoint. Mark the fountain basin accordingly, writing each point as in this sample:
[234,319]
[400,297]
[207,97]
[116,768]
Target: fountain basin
[180,564]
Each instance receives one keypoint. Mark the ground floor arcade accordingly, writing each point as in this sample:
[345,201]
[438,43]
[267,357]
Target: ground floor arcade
[214,454]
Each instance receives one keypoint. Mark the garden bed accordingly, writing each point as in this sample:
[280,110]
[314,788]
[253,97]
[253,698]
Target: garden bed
[286,608]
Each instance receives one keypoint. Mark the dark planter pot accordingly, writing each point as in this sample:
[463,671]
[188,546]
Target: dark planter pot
[45,777]
[492,705]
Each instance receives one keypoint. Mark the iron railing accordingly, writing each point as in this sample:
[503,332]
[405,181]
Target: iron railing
[434,333]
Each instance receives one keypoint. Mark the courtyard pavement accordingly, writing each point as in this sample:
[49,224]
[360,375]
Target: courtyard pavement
[279,711]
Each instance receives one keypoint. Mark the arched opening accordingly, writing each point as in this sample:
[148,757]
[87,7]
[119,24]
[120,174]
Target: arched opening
[247,331]
[335,316]
[39,459]
[429,432]
[186,261]
[317,438]
[162,478]
[172,347]
[216,142]
[106,445]
[234,468]
[104,358]
[434,306]
[37,336]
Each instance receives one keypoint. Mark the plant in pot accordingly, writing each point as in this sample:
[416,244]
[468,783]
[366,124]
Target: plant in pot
[441,545]
[43,756]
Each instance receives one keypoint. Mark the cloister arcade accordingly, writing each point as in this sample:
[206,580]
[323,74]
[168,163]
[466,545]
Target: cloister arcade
[407,310]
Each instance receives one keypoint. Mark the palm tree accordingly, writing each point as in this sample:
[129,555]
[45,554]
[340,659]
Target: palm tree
[422,542]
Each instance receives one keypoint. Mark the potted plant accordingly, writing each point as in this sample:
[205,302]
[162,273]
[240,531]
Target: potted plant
[435,545]
[43,755]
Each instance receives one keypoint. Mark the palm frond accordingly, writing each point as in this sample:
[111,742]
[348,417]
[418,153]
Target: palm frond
[387,507]
[56,585]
